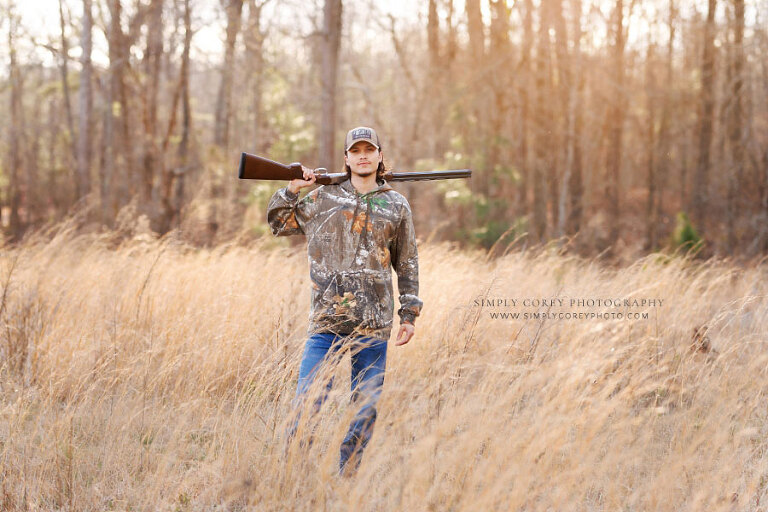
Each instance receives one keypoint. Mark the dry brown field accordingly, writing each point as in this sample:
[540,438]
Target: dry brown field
[152,375]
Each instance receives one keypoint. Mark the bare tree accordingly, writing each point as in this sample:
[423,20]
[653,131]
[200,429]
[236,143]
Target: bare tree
[331,43]
[234,9]
[173,180]
[32,195]
[651,212]
[417,92]
[526,88]
[64,69]
[475,68]
[452,45]
[219,194]
[736,123]
[565,130]
[706,113]
[118,158]
[254,46]
[615,125]
[152,158]
[501,52]
[662,160]
[575,131]
[107,161]
[543,116]
[85,106]
[475,29]
[15,129]
[433,76]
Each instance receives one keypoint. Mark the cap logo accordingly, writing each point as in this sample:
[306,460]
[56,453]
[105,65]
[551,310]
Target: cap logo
[362,133]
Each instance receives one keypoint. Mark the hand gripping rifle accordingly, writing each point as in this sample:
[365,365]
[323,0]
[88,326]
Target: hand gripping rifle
[254,167]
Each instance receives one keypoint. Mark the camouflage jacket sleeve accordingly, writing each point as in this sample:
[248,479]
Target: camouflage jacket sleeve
[286,214]
[405,260]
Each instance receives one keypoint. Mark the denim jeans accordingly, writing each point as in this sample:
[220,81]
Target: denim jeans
[369,356]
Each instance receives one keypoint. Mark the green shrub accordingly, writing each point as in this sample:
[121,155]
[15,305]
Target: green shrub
[685,236]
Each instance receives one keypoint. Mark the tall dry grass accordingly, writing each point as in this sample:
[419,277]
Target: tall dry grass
[156,376]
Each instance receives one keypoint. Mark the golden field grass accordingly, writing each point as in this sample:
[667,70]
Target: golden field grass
[151,375]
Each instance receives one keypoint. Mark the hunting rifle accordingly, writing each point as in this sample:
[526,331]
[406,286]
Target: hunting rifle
[254,167]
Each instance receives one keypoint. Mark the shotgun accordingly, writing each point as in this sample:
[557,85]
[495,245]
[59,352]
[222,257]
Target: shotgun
[254,167]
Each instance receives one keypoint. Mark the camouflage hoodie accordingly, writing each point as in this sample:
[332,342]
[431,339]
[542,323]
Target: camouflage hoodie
[353,241]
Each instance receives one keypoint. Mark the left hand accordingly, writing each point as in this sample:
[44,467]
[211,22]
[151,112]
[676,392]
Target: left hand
[405,334]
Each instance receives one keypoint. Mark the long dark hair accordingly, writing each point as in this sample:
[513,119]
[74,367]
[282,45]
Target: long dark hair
[380,170]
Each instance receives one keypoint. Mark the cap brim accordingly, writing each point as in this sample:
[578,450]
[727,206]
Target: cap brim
[363,140]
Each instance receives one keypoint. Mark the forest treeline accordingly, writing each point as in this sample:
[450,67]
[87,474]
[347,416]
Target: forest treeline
[618,126]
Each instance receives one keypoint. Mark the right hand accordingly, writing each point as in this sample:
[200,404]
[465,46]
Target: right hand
[309,179]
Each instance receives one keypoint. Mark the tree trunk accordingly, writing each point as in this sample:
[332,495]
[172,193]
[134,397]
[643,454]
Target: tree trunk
[433,76]
[220,192]
[106,159]
[64,68]
[474,126]
[651,213]
[186,124]
[53,191]
[565,132]
[700,199]
[234,9]
[575,183]
[331,44]
[553,129]
[543,119]
[15,130]
[254,42]
[32,204]
[152,157]
[451,46]
[662,148]
[475,29]
[172,192]
[85,107]
[526,87]
[412,133]
[735,129]
[615,125]
[500,49]
[119,158]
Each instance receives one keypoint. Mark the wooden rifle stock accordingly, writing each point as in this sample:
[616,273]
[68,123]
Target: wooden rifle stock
[254,167]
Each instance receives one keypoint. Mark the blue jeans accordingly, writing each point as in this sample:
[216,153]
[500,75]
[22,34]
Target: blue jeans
[369,357]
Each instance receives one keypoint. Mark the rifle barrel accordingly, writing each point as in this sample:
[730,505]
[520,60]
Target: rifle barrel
[429,175]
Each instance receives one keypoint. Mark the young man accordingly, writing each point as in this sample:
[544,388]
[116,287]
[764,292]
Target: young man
[356,232]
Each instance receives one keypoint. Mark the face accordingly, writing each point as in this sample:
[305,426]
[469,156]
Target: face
[363,158]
